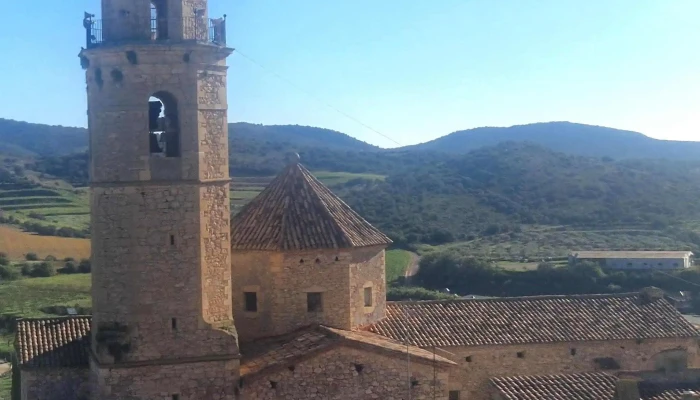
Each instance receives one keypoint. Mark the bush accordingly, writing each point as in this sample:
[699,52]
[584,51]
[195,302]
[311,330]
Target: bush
[8,273]
[43,270]
[69,268]
[69,259]
[85,267]
[4,261]
[50,258]
[4,255]
[26,269]
[31,257]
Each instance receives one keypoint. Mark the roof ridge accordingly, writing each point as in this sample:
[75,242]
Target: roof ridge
[320,186]
[516,298]
[58,317]
[315,185]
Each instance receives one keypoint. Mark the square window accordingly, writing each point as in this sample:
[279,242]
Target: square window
[368,297]
[251,301]
[313,302]
[454,395]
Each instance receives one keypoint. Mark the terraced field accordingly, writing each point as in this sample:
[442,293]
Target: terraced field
[49,206]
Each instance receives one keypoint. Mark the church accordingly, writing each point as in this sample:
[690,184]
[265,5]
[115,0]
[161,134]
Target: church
[287,300]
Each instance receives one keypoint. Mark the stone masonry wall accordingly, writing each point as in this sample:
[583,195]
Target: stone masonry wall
[282,282]
[367,270]
[213,380]
[55,384]
[334,375]
[479,363]
[160,270]
[215,217]
[118,95]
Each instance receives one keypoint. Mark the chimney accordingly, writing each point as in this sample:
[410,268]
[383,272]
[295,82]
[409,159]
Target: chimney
[650,294]
[627,389]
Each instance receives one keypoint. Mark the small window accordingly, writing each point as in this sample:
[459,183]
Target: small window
[521,354]
[173,323]
[313,302]
[454,395]
[368,297]
[172,240]
[176,397]
[573,352]
[468,358]
[251,301]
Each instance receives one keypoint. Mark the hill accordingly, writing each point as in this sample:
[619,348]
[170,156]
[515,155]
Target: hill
[496,189]
[25,139]
[566,137]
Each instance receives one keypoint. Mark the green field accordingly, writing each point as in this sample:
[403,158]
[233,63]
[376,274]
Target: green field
[5,387]
[396,263]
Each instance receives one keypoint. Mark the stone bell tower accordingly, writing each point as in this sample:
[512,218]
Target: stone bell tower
[162,323]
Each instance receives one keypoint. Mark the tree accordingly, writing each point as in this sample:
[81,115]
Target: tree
[31,257]
[8,273]
[43,270]
[84,267]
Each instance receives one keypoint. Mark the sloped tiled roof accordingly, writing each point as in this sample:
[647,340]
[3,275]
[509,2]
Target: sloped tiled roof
[541,319]
[297,212]
[53,342]
[588,386]
[261,355]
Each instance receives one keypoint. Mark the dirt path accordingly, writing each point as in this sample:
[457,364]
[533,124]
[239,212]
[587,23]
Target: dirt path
[412,268]
[4,368]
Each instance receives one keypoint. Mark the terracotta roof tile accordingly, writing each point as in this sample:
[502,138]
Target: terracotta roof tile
[588,386]
[297,212]
[585,386]
[540,319]
[53,342]
[261,355]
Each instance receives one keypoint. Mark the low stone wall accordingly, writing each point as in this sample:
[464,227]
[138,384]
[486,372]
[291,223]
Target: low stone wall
[350,374]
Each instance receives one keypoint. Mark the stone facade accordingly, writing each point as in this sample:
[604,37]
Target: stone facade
[55,384]
[206,380]
[478,364]
[162,313]
[281,282]
[350,374]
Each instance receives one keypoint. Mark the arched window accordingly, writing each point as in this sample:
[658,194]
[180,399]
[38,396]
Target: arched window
[163,125]
[159,20]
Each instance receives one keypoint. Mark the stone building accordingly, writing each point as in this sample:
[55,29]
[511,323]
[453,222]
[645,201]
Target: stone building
[301,256]
[624,385]
[544,335]
[635,260]
[301,272]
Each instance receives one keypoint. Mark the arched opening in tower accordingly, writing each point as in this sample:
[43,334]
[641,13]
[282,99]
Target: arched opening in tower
[159,20]
[163,125]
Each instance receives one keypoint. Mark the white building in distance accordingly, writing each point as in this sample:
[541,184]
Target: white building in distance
[635,260]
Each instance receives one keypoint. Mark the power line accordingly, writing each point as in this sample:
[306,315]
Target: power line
[290,83]
[676,277]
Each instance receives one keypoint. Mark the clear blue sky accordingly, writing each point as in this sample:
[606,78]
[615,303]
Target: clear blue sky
[411,69]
